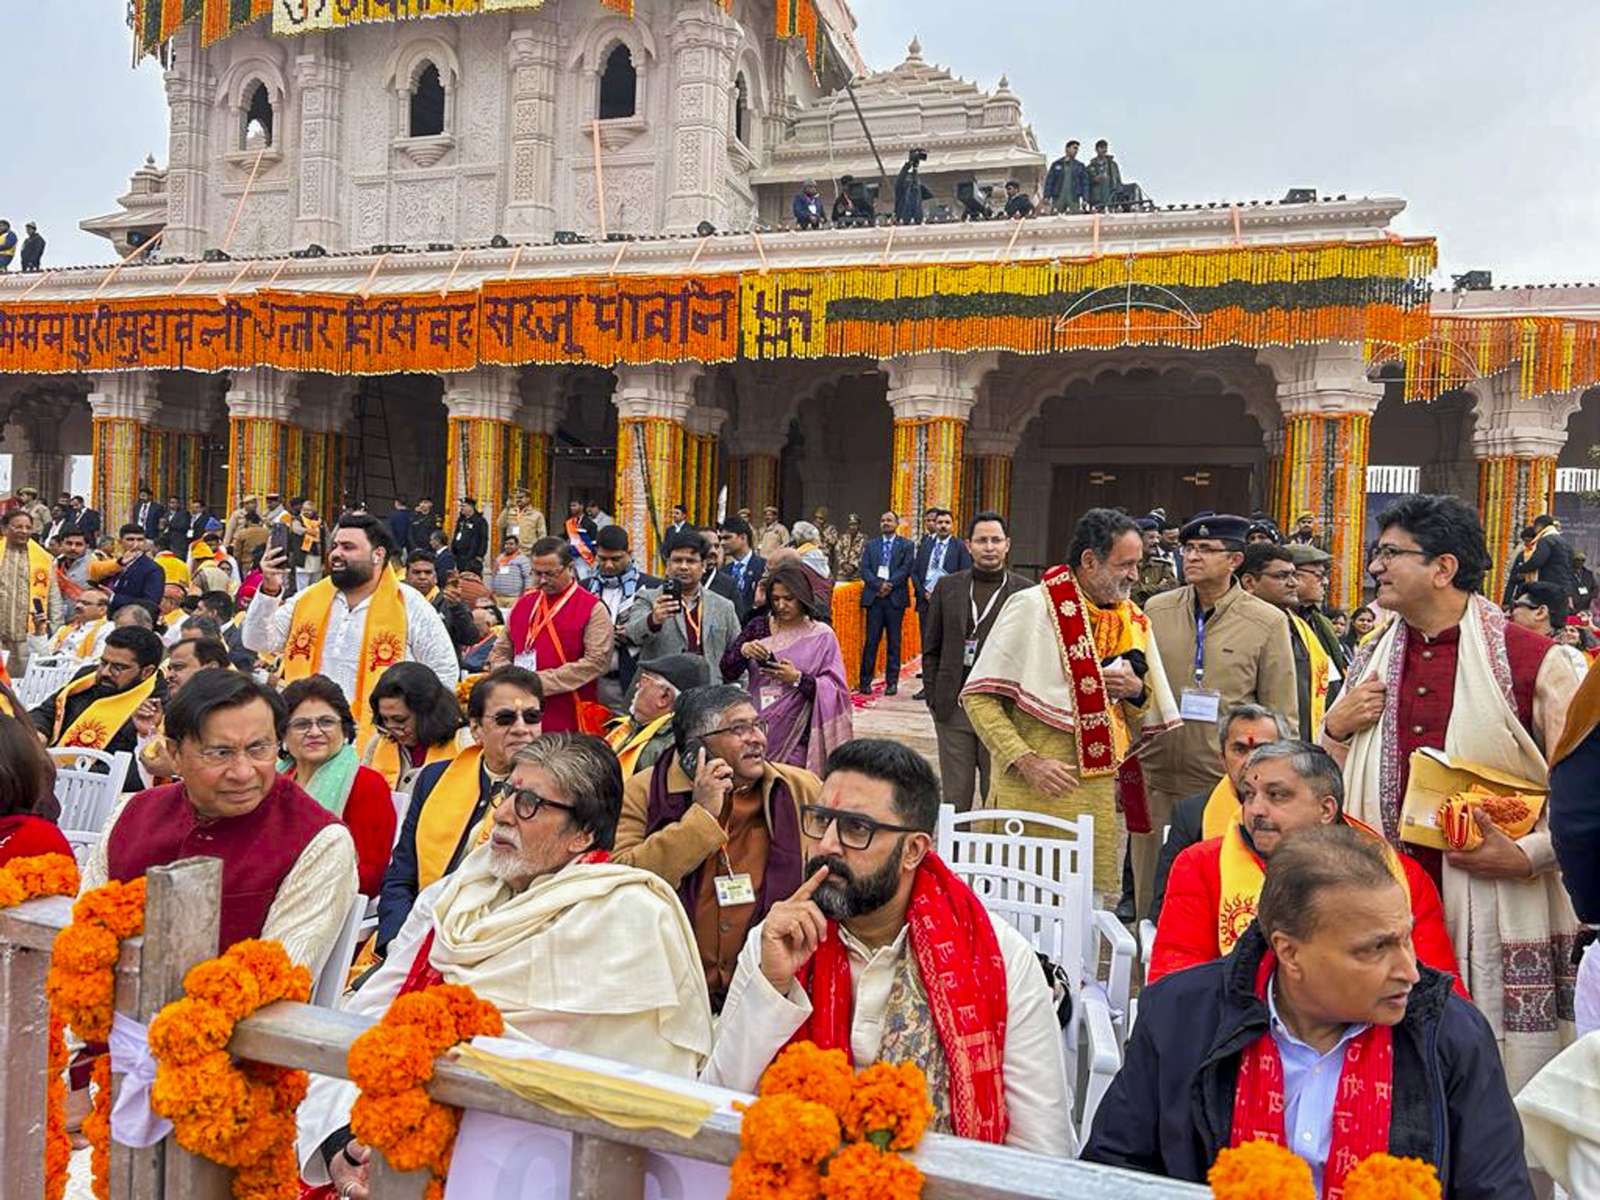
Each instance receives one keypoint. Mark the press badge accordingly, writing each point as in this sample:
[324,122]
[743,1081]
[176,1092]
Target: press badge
[734,890]
[1198,704]
[883,570]
[969,652]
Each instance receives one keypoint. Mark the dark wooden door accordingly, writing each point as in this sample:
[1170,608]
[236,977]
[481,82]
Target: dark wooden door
[1181,490]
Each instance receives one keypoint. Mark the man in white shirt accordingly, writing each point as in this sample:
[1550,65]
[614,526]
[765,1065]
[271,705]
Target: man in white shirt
[338,645]
[880,925]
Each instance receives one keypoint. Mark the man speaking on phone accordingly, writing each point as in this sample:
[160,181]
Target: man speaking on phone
[719,822]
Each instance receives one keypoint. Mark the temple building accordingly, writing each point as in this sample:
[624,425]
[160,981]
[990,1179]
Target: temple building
[550,245]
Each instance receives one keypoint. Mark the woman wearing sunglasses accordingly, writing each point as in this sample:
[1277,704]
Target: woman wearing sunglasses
[320,755]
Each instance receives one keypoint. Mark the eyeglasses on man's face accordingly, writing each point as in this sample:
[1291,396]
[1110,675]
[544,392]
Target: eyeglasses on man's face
[1386,553]
[526,802]
[743,730]
[505,718]
[256,752]
[855,831]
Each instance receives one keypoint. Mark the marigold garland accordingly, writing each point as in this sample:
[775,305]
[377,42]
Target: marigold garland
[889,1106]
[21,880]
[241,1115]
[1385,1177]
[392,1061]
[863,1172]
[1260,1170]
[810,1073]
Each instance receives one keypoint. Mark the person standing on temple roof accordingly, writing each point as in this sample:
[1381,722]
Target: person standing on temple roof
[808,210]
[1452,674]
[32,249]
[1018,203]
[1105,177]
[8,245]
[1066,186]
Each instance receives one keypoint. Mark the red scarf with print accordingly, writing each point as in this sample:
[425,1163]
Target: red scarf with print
[958,957]
[1361,1109]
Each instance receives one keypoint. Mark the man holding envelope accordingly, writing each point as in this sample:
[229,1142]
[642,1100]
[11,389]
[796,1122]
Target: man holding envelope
[1453,675]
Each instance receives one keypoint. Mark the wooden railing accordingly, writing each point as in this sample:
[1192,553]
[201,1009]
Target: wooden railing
[607,1162]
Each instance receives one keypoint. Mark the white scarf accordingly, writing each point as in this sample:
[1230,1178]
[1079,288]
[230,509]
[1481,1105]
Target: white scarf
[1513,938]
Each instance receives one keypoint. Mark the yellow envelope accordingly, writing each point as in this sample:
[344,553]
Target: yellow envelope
[1435,777]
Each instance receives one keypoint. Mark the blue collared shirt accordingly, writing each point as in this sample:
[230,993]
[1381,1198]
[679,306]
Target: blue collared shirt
[1310,1088]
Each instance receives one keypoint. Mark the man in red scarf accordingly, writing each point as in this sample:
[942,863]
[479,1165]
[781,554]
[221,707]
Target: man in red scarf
[1320,1032]
[562,634]
[885,954]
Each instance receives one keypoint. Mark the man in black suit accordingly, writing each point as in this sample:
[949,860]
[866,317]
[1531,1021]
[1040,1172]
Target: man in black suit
[423,522]
[1549,560]
[940,554]
[148,514]
[139,578]
[741,563]
[717,580]
[85,520]
[471,540]
[886,564]
[175,531]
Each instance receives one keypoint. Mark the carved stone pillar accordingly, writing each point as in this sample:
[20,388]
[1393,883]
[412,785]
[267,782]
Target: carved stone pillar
[704,39]
[932,396]
[262,404]
[321,81]
[483,407]
[124,407]
[191,93]
[653,402]
[1327,404]
[533,54]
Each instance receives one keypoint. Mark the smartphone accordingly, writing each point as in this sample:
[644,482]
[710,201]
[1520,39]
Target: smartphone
[278,538]
[690,759]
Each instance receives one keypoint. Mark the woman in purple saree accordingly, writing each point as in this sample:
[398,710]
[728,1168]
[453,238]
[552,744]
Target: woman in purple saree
[796,673]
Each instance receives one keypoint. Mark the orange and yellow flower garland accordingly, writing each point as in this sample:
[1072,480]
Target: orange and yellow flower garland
[241,1115]
[392,1062]
[1261,1170]
[820,1129]
[82,987]
[24,879]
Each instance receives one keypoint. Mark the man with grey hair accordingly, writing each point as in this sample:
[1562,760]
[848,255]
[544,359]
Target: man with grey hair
[1286,787]
[133,614]
[719,821]
[1208,814]
[541,891]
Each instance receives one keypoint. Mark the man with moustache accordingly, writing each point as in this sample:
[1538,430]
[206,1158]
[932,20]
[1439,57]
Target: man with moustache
[353,625]
[884,953]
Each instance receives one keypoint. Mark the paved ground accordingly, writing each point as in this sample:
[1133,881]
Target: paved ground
[900,717]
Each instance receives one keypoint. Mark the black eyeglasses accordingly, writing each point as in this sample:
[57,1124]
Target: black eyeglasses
[507,717]
[526,802]
[740,729]
[1385,553]
[855,831]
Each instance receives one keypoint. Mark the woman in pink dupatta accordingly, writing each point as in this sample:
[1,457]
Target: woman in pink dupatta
[797,678]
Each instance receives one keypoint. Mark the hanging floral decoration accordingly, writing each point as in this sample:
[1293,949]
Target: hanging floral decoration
[1511,492]
[82,986]
[391,1063]
[237,1114]
[1316,476]
[820,1129]
[1549,354]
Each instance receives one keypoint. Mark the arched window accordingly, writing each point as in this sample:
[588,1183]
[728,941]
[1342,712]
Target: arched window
[427,104]
[258,118]
[619,84]
[741,109]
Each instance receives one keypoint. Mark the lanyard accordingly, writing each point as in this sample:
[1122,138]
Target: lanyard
[550,615]
[972,599]
[1199,648]
[691,621]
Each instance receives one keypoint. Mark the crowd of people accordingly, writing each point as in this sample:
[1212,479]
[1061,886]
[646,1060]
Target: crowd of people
[657,783]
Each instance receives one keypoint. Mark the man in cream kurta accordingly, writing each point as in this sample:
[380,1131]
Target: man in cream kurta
[576,952]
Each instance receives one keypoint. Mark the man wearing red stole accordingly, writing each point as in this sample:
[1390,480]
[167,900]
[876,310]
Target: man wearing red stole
[885,954]
[288,865]
[1320,1033]
[560,632]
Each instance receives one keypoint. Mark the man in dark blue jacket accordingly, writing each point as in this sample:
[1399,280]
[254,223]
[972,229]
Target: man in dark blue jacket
[886,563]
[1066,186]
[141,579]
[1327,999]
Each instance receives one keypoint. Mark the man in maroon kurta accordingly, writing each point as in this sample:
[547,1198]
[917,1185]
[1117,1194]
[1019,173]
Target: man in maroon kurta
[560,632]
[288,865]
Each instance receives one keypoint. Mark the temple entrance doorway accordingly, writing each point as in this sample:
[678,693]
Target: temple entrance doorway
[1181,490]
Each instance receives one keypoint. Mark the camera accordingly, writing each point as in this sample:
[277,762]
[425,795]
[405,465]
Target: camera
[917,155]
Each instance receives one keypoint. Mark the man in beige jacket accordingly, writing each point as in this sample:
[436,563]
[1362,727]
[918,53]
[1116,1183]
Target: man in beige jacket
[727,836]
[1220,646]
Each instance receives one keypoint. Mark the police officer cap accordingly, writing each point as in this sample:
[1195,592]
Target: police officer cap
[1307,556]
[1148,525]
[1229,530]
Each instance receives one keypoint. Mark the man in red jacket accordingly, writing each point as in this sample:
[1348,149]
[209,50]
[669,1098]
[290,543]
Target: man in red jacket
[1212,892]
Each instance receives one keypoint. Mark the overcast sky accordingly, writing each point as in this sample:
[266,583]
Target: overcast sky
[1484,115]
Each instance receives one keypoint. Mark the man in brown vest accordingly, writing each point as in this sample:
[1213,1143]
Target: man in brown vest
[288,865]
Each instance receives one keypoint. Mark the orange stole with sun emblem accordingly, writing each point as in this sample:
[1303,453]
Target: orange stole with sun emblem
[1243,874]
[98,724]
[383,641]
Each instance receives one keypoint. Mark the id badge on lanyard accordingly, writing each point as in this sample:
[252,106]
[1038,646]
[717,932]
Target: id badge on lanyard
[1199,703]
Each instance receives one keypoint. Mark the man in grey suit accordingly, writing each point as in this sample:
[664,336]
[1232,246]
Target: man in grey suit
[681,616]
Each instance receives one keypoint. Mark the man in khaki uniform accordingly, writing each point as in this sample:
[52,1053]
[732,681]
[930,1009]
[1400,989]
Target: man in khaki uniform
[1220,646]
[521,520]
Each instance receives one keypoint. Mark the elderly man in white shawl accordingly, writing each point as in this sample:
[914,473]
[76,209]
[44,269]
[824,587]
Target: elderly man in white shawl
[575,951]
[1453,674]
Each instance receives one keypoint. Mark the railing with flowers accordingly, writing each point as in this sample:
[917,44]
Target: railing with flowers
[607,1161]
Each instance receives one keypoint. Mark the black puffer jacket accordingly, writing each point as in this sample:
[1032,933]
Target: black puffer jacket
[1170,1109]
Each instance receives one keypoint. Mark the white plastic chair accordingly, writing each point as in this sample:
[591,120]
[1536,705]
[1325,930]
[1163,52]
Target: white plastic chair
[88,783]
[335,969]
[45,676]
[402,802]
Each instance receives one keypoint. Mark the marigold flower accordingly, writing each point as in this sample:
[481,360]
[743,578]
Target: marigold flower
[1260,1170]
[863,1172]
[752,1180]
[380,1120]
[821,1076]
[474,1017]
[431,1017]
[187,1030]
[428,1144]
[390,1058]
[889,1106]
[1385,1177]
[787,1131]
[220,983]
[85,948]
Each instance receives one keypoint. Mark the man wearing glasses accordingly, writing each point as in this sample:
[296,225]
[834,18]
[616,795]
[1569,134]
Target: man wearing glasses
[95,709]
[885,953]
[574,949]
[450,800]
[1220,647]
[288,865]
[561,632]
[1311,564]
[1453,674]
[719,822]
[1268,573]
